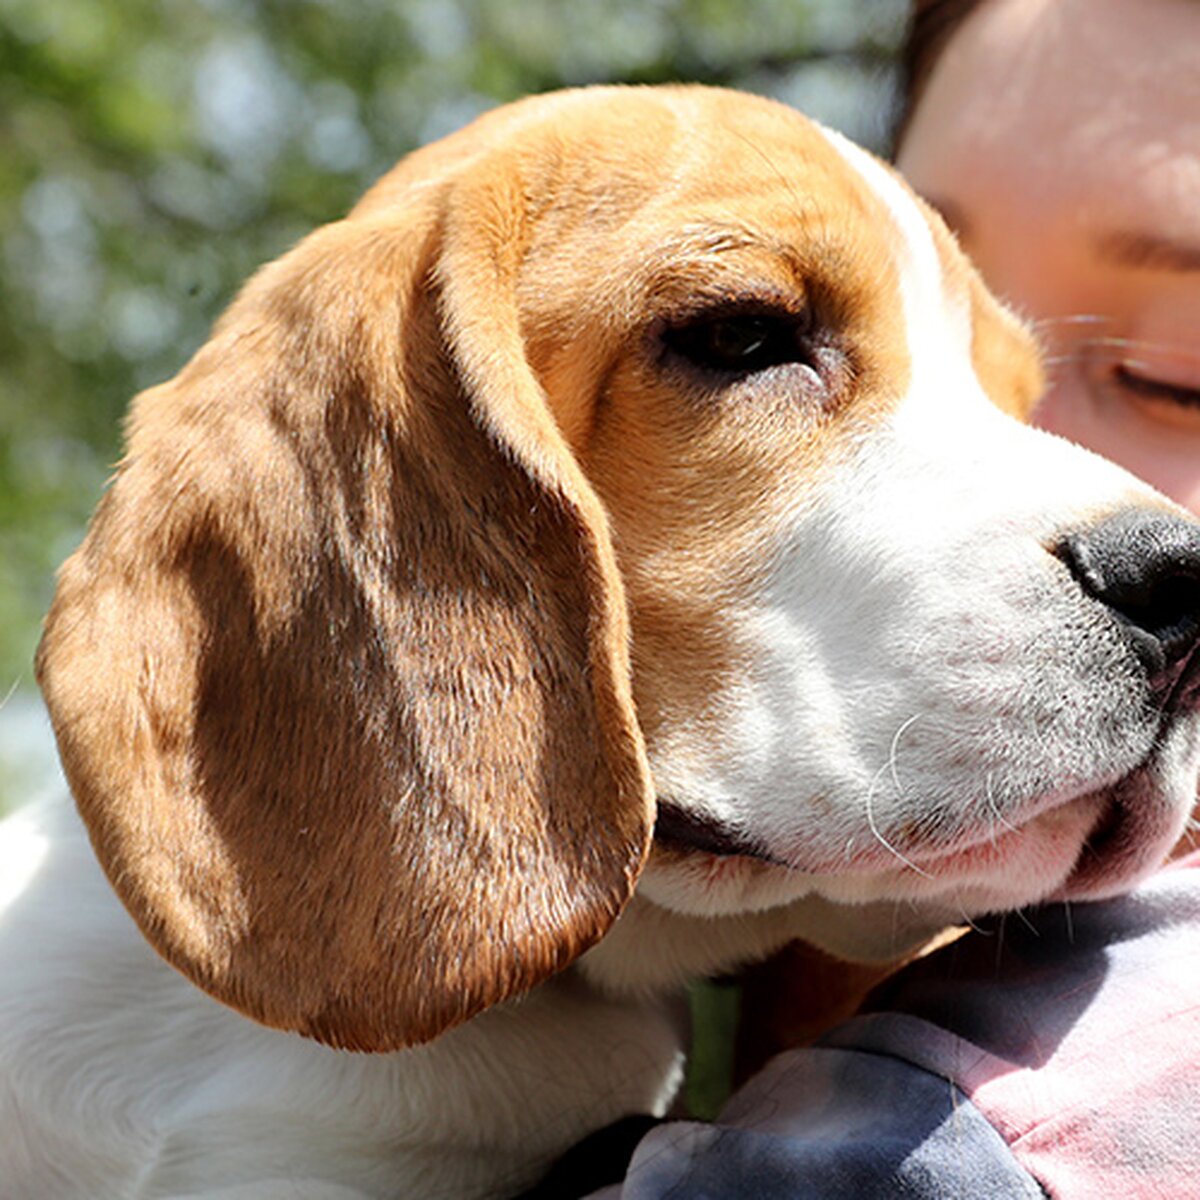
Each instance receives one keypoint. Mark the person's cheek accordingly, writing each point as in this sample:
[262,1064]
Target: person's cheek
[1128,438]
[1067,411]
[1183,482]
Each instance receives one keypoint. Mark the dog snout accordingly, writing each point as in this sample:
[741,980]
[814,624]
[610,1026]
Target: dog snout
[1144,567]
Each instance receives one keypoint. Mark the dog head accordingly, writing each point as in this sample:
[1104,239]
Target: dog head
[627,446]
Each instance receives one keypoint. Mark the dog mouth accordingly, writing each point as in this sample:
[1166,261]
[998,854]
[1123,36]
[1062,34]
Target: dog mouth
[684,835]
[1144,813]
[1122,830]
[679,831]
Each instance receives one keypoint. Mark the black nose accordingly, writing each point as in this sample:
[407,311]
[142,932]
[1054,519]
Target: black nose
[1144,566]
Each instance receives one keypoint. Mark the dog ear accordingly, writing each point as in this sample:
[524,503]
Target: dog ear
[339,675]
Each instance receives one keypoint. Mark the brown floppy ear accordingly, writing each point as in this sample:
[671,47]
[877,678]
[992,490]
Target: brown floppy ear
[339,675]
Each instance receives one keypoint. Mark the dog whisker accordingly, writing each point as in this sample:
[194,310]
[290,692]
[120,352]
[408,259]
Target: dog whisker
[895,747]
[1000,928]
[1071,319]
[1107,350]
[994,809]
[1023,917]
[875,828]
[1127,343]
[967,920]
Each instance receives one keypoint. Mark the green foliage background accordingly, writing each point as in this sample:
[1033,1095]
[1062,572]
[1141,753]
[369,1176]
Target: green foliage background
[154,152]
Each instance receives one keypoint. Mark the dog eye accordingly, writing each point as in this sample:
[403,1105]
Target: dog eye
[738,343]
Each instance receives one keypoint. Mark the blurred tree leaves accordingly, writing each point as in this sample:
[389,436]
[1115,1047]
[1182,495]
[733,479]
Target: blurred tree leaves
[154,152]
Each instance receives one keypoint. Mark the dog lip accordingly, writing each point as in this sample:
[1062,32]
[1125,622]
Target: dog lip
[679,829]
[1132,836]
[1114,855]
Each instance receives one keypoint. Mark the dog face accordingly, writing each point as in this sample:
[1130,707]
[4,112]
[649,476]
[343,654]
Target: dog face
[905,692]
[630,446]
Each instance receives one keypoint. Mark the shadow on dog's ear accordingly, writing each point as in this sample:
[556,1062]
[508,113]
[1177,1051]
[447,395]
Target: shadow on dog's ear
[339,675]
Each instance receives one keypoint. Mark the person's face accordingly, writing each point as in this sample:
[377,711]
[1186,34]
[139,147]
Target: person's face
[1061,138]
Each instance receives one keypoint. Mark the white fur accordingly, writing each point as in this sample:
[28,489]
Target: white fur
[118,1078]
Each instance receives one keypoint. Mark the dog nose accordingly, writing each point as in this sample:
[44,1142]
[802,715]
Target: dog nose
[1144,566]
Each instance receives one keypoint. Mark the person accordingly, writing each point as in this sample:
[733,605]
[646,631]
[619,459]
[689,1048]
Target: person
[1050,1054]
[1060,139]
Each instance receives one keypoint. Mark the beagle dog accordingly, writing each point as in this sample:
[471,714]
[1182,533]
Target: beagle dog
[626,494]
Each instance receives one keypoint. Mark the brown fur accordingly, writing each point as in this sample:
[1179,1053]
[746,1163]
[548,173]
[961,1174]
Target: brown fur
[340,674]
